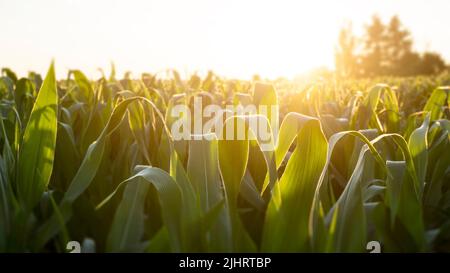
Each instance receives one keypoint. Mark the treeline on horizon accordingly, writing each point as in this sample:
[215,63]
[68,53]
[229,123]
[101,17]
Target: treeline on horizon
[385,49]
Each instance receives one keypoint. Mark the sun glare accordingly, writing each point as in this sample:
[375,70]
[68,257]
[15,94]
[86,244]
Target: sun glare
[233,38]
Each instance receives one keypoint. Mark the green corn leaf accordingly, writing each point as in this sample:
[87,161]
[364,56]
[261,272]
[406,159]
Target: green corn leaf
[129,218]
[203,172]
[287,216]
[38,146]
[394,182]
[128,225]
[84,85]
[418,145]
[438,99]
[367,114]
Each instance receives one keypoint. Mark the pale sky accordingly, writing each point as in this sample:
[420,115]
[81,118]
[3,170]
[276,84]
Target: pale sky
[235,38]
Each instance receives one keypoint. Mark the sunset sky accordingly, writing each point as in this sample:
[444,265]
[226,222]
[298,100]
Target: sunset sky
[234,38]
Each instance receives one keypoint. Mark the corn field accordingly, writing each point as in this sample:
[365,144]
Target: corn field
[96,162]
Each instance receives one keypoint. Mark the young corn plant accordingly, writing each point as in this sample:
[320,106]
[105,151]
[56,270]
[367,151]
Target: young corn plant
[96,162]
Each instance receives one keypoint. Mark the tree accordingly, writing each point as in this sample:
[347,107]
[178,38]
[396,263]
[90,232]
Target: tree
[373,55]
[398,49]
[408,65]
[431,63]
[345,55]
